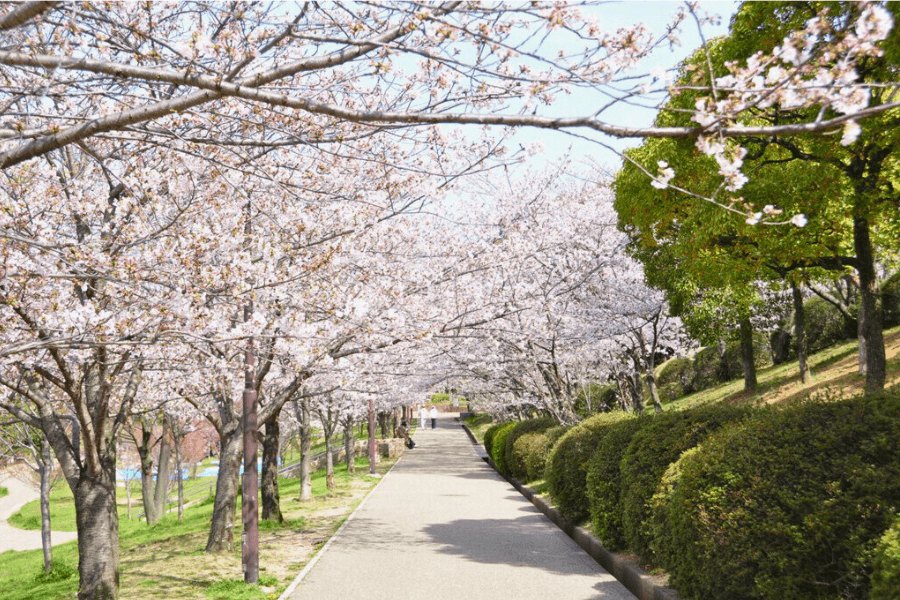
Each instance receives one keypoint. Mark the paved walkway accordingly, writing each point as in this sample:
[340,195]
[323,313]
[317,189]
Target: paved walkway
[12,538]
[443,525]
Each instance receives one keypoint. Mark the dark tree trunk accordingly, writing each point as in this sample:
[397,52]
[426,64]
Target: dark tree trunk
[800,332]
[271,500]
[747,361]
[304,416]
[98,534]
[179,475]
[872,359]
[221,530]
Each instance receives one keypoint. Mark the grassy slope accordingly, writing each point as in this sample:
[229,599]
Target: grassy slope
[834,368]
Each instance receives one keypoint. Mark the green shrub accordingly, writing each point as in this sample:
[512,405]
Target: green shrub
[790,503]
[886,574]
[675,378]
[706,369]
[656,445]
[515,461]
[567,466]
[489,436]
[498,449]
[825,325]
[529,456]
[603,482]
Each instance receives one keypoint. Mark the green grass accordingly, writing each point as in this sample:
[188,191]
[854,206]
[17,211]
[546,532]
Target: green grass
[478,424]
[62,511]
[21,573]
[3,491]
[775,379]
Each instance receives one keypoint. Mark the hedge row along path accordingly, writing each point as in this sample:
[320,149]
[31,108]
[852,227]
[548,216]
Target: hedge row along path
[443,525]
[12,538]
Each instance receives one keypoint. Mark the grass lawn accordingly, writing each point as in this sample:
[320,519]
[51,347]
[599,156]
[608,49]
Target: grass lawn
[168,562]
[478,425]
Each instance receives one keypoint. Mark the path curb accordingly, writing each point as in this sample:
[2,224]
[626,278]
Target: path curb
[634,578]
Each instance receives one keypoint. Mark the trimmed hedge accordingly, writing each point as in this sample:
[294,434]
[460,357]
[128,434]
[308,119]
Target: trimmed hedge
[603,482]
[515,461]
[529,453]
[790,503]
[489,434]
[498,448]
[567,466]
[651,450]
[886,576]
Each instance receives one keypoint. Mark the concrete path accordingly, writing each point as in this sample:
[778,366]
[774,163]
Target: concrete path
[443,525]
[12,538]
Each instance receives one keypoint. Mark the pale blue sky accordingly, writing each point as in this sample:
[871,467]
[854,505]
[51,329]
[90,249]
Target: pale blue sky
[655,15]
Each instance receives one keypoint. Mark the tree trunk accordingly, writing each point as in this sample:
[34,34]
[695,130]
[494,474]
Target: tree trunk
[221,530]
[747,362]
[98,534]
[179,477]
[872,359]
[349,445]
[271,500]
[637,399]
[44,467]
[329,463]
[372,469]
[654,393]
[304,416]
[162,472]
[143,449]
[800,332]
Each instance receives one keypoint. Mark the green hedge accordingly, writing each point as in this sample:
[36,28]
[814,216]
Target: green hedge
[489,434]
[567,466]
[790,503]
[515,460]
[886,574]
[652,448]
[603,482]
[498,448]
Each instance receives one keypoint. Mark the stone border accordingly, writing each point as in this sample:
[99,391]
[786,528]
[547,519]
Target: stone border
[631,575]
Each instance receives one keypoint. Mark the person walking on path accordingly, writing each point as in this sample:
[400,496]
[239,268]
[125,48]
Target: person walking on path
[423,414]
[433,414]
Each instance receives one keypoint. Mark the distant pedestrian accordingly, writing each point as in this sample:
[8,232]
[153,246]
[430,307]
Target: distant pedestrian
[433,414]
[423,414]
